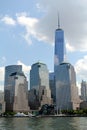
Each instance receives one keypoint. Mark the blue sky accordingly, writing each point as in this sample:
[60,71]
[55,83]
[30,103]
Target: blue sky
[27,32]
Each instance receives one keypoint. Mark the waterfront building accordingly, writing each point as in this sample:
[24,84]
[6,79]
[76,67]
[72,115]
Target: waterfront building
[16,89]
[52,86]
[59,51]
[84,90]
[2,102]
[83,105]
[66,89]
[39,84]
[8,71]
[45,96]
[33,99]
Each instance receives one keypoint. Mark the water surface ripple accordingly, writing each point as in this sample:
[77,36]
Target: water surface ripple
[46,123]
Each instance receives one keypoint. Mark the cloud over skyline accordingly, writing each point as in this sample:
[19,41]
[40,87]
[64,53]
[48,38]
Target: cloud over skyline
[72,20]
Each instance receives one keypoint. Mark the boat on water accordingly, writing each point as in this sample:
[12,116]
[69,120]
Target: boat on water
[20,115]
[31,115]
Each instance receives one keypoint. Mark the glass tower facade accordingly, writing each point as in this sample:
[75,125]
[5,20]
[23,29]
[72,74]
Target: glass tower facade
[9,70]
[59,47]
[66,89]
[39,76]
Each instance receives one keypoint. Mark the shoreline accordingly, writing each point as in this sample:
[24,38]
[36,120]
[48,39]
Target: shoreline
[43,116]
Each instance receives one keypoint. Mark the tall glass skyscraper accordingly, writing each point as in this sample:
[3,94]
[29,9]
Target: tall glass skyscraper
[59,52]
[66,89]
[39,76]
[39,86]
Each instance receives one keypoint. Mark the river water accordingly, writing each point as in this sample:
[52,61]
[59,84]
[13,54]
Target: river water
[46,123]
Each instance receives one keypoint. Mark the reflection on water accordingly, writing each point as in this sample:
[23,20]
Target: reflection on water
[55,123]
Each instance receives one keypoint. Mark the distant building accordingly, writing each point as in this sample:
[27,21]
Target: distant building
[52,86]
[84,90]
[16,89]
[39,77]
[66,90]
[2,102]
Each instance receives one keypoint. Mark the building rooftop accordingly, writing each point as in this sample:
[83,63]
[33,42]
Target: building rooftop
[63,63]
[38,63]
[17,73]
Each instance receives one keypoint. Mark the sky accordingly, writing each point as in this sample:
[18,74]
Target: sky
[27,34]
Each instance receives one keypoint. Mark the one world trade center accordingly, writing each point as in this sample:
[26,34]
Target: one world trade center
[59,52]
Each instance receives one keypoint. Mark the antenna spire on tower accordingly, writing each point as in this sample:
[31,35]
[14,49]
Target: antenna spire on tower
[58,21]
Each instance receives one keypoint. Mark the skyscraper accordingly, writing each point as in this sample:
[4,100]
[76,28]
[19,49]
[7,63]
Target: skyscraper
[52,86]
[39,85]
[15,89]
[39,75]
[18,93]
[66,89]
[84,90]
[8,71]
[59,52]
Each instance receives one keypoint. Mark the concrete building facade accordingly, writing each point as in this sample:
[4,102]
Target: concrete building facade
[2,102]
[16,90]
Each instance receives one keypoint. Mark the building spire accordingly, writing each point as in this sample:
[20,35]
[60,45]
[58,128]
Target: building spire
[58,21]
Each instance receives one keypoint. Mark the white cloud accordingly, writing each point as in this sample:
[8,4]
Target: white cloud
[26,69]
[81,68]
[8,20]
[73,21]
[32,28]
[70,48]
[29,24]
[2,60]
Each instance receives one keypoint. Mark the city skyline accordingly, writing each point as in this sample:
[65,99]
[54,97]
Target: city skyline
[27,30]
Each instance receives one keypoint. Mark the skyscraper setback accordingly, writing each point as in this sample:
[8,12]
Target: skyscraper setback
[59,52]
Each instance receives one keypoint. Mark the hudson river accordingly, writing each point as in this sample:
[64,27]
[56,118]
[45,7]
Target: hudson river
[46,123]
